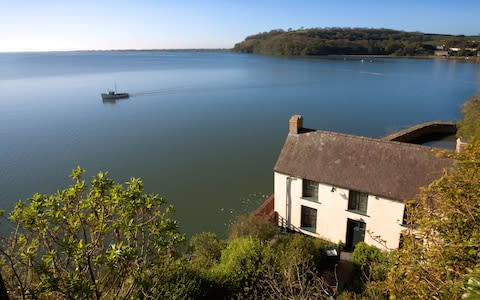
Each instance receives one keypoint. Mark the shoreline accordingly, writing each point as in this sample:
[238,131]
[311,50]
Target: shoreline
[461,58]
[469,59]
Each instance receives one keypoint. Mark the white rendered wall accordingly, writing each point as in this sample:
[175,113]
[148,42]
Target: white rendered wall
[383,216]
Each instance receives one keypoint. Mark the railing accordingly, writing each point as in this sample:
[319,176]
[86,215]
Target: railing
[267,211]
[285,225]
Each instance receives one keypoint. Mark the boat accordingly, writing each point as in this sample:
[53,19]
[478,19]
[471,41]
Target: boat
[112,95]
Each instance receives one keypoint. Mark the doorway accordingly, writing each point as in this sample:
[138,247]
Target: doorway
[355,233]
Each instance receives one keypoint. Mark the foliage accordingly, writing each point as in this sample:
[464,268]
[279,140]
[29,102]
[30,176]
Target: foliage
[287,266]
[87,242]
[254,226]
[297,263]
[371,266]
[348,41]
[445,240]
[469,127]
[295,246]
[206,250]
[242,264]
[370,261]
[177,281]
[472,287]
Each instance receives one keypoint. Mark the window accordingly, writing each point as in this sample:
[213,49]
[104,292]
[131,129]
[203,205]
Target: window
[310,189]
[357,201]
[407,221]
[309,219]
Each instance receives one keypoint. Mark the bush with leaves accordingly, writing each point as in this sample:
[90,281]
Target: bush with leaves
[254,226]
[297,266]
[289,246]
[205,249]
[371,262]
[242,265]
[469,127]
[87,241]
[371,266]
[178,280]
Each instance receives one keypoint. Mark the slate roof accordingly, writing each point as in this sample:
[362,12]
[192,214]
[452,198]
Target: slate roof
[393,170]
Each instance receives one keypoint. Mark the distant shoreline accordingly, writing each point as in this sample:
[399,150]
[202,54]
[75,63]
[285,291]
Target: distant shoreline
[472,59]
[461,58]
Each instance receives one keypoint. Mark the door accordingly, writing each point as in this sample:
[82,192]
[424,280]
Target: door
[355,233]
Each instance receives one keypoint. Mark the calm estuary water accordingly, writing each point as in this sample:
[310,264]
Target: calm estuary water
[203,128]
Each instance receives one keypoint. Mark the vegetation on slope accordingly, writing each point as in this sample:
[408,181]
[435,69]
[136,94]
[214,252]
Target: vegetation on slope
[351,41]
[90,242]
[469,127]
[104,240]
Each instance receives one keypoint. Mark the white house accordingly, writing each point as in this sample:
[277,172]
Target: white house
[349,188]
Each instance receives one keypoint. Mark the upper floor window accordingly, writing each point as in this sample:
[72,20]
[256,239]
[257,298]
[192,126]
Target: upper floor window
[357,201]
[310,189]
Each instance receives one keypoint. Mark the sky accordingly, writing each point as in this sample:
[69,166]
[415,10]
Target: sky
[49,25]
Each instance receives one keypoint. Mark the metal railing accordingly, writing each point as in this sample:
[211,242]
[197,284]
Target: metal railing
[285,225]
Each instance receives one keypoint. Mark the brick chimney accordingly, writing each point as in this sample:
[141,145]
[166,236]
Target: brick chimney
[461,144]
[296,123]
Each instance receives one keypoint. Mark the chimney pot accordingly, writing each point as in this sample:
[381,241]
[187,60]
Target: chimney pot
[296,123]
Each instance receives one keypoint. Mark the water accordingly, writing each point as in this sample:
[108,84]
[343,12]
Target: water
[203,129]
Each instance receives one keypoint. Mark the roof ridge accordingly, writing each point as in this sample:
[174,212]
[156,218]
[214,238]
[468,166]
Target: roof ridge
[380,141]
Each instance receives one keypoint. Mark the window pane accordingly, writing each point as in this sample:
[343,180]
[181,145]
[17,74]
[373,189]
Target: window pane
[352,200]
[362,205]
[310,188]
[309,217]
[357,201]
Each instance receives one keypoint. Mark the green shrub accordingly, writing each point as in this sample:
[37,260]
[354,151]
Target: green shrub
[253,226]
[177,281]
[469,127]
[242,264]
[296,246]
[364,255]
[371,266]
[297,265]
[205,249]
[87,241]
[472,286]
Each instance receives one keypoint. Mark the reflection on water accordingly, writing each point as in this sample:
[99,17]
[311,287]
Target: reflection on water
[203,129]
[113,101]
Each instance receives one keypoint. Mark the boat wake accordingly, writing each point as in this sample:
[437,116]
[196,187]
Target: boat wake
[207,89]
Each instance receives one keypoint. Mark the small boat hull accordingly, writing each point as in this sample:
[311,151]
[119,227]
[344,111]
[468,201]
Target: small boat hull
[114,96]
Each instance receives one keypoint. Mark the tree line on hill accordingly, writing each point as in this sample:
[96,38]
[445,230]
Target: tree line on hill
[350,41]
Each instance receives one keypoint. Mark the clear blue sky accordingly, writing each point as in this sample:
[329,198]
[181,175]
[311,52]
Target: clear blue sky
[39,25]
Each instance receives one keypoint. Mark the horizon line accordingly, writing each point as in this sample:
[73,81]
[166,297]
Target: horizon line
[119,50]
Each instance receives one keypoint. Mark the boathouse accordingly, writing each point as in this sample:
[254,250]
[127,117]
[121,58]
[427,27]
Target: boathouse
[349,188]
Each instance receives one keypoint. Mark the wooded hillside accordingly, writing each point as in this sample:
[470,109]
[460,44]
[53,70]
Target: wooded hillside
[353,41]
